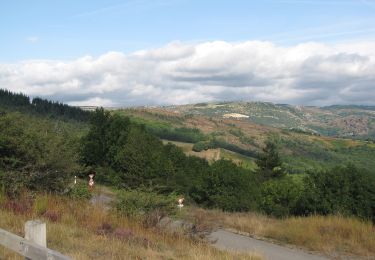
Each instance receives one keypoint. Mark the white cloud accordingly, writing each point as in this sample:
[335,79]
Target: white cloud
[309,73]
[96,101]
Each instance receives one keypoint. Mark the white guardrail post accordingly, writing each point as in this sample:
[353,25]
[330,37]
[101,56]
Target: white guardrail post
[36,232]
[34,245]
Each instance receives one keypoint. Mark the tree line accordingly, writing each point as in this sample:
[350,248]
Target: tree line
[53,109]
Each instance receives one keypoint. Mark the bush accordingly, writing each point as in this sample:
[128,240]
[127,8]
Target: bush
[200,146]
[35,154]
[280,196]
[107,176]
[341,190]
[12,183]
[80,191]
[228,187]
[141,203]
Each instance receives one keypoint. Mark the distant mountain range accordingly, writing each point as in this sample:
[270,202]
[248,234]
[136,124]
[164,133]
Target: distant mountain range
[338,120]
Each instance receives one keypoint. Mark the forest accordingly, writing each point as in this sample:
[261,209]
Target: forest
[44,144]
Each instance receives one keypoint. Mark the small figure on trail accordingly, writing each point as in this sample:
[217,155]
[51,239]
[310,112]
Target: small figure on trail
[91,180]
[180,203]
[75,180]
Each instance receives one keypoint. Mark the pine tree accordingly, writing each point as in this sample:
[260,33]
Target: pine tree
[269,161]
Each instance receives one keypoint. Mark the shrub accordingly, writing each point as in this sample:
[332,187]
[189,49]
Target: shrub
[280,196]
[12,183]
[35,154]
[80,191]
[107,176]
[228,187]
[344,190]
[141,203]
[203,145]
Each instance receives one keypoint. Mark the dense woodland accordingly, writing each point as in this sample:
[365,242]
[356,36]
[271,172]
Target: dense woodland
[43,150]
[39,106]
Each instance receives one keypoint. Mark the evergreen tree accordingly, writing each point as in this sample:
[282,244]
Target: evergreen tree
[269,161]
[94,146]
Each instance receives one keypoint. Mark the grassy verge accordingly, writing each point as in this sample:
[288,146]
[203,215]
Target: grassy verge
[331,235]
[83,231]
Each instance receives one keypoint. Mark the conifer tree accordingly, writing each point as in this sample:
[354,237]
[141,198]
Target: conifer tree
[269,161]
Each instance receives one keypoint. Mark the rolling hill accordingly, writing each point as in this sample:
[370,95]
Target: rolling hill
[309,137]
[339,121]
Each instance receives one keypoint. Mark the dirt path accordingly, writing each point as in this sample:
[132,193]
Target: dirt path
[223,239]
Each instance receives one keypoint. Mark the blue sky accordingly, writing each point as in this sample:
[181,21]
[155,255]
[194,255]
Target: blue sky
[157,52]
[69,29]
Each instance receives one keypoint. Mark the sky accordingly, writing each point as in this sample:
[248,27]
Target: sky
[162,52]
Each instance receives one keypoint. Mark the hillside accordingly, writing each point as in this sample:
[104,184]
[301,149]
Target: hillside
[148,158]
[339,121]
[243,139]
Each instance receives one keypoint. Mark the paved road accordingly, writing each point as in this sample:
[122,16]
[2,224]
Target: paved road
[235,242]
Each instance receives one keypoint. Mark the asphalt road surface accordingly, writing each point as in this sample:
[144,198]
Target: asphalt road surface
[223,239]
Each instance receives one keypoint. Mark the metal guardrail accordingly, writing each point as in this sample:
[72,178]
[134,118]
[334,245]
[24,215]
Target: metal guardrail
[28,248]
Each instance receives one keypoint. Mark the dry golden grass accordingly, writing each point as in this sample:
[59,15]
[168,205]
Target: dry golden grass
[328,234]
[83,231]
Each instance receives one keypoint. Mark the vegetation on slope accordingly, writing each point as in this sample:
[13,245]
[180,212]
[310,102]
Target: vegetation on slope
[299,150]
[340,121]
[126,155]
[43,154]
[36,153]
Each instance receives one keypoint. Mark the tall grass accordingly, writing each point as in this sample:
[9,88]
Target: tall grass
[327,234]
[331,235]
[84,231]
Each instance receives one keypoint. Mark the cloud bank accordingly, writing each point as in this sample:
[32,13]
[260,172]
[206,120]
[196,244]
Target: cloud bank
[180,73]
